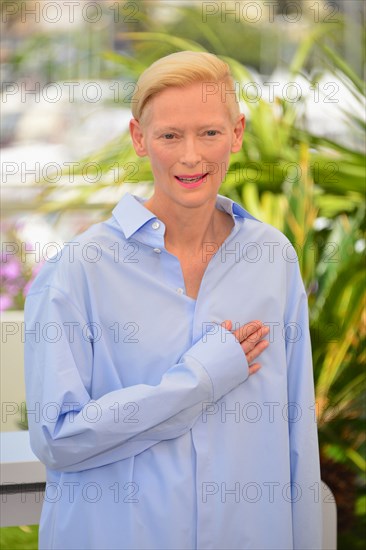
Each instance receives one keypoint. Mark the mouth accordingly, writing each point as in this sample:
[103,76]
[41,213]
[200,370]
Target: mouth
[190,181]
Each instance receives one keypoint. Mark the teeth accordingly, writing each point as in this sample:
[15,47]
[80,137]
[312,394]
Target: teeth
[189,180]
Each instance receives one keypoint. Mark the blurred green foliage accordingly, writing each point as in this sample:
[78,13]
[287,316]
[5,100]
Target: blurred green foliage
[19,538]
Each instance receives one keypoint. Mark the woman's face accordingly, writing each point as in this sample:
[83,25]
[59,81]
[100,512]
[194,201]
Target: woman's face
[188,137]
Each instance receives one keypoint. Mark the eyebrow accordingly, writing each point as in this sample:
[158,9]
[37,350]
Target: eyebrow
[213,125]
[167,129]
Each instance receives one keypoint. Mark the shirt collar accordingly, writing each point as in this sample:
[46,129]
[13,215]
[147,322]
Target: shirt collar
[232,208]
[131,214]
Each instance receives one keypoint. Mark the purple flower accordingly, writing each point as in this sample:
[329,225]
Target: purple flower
[10,270]
[16,276]
[14,287]
[6,302]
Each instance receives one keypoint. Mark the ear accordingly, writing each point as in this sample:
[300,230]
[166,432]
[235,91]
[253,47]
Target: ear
[238,133]
[137,136]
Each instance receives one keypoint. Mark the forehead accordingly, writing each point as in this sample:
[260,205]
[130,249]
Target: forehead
[201,100]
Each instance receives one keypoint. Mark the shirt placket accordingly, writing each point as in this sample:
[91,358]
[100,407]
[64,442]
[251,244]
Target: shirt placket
[201,436]
[153,236]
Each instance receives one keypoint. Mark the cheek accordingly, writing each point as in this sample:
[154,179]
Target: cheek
[160,157]
[221,157]
[223,152]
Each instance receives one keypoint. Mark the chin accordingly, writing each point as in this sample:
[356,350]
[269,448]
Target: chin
[195,198]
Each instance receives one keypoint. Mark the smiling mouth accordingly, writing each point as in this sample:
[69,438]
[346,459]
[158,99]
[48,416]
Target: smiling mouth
[191,179]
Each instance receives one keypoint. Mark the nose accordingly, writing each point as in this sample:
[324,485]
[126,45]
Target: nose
[190,155]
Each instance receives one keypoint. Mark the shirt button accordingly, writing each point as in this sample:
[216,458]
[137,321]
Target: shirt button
[155,225]
[180,290]
[157,250]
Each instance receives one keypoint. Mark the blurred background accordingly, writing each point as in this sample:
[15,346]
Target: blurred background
[68,70]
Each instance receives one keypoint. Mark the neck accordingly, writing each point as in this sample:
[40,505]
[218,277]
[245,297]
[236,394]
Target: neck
[189,230]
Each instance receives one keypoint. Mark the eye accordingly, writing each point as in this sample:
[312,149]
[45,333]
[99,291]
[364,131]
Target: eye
[212,132]
[168,136]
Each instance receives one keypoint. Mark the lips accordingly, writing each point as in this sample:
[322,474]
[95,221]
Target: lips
[191,180]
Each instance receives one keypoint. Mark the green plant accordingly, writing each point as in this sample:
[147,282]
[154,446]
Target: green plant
[24,537]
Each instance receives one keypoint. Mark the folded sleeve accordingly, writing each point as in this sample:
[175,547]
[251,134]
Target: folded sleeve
[70,431]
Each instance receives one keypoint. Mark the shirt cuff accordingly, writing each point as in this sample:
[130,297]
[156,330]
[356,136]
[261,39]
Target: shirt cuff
[221,355]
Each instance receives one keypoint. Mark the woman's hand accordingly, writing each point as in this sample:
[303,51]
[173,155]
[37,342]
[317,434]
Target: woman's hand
[251,338]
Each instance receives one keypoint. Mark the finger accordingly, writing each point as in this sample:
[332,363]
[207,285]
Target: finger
[256,351]
[251,342]
[227,324]
[247,330]
[254,368]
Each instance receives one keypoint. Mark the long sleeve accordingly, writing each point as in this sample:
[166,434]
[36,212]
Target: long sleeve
[304,451]
[69,431]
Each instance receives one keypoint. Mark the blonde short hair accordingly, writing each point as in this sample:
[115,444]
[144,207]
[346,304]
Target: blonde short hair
[181,69]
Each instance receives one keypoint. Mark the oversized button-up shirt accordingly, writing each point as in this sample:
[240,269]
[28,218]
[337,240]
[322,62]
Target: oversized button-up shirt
[140,404]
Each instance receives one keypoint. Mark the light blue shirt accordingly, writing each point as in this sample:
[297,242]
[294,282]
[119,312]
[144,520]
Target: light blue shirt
[140,404]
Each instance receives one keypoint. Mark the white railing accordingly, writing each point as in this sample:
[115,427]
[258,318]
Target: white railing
[22,481]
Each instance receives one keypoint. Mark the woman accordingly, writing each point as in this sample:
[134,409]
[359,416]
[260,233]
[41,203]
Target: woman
[143,339]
